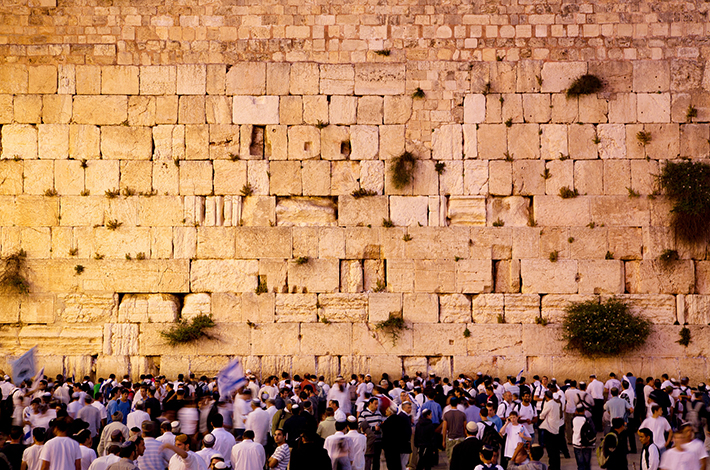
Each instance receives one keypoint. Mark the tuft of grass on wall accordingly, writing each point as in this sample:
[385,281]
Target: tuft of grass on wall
[586,84]
[187,331]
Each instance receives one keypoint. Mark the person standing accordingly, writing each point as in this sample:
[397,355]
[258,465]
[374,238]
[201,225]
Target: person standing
[650,456]
[184,458]
[374,419]
[514,433]
[61,452]
[465,455]
[615,447]
[358,442]
[282,455]
[426,442]
[453,428]
[247,454]
[551,417]
[582,448]
[596,390]
[223,440]
[339,448]
[659,426]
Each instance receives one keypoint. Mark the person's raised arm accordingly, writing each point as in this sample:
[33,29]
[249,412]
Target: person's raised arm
[182,453]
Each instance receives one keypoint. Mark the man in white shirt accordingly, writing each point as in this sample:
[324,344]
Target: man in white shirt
[62,452]
[659,426]
[679,457]
[570,408]
[340,392]
[31,455]
[694,445]
[248,455]
[650,457]
[596,390]
[135,418]
[358,444]
[184,458]
[506,406]
[339,447]
[241,410]
[613,382]
[258,421]
[208,449]
[223,440]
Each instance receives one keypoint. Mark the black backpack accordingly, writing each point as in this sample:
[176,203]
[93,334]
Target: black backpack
[588,435]
[491,437]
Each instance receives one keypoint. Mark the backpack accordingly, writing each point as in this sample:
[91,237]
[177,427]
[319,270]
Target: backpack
[589,434]
[490,437]
[602,456]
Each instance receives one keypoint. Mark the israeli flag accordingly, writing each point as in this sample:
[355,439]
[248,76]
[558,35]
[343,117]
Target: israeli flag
[24,367]
[231,378]
[520,374]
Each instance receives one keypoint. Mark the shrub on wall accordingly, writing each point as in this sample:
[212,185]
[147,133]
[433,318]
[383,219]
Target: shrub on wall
[603,329]
[687,185]
[187,331]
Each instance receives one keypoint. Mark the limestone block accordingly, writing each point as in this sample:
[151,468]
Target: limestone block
[475,177]
[331,243]
[613,141]
[158,80]
[653,107]
[100,110]
[343,110]
[528,177]
[53,141]
[400,275]
[437,243]
[623,108]
[660,309]
[19,141]
[536,107]
[467,210]
[119,80]
[258,211]
[168,143]
[14,78]
[474,109]
[316,177]
[277,78]
[343,307]
[88,79]
[545,277]
[28,109]
[507,276]
[694,140]
[141,110]
[425,180]
[67,79]
[315,109]
[191,79]
[392,141]
[650,277]
[564,110]
[351,276]
[617,177]
[166,109]
[447,142]
[256,110]
[367,340]
[558,76]
[81,340]
[581,142]
[276,339]
[38,176]
[512,108]
[291,110]
[451,181]
[191,110]
[685,75]
[664,141]
[528,71]
[302,212]
[215,242]
[455,308]
[513,211]
[364,142]
[521,308]
[503,77]
[525,242]
[372,175]
[397,109]
[7,110]
[588,176]
[381,305]
[218,110]
[363,211]
[500,181]
[370,110]
[344,177]
[263,243]
[438,276]
[379,79]
[276,143]
[601,277]
[196,304]
[56,109]
[409,210]
[196,142]
[651,76]
[339,342]
[195,177]
[303,143]
[473,276]
[285,178]
[338,80]
[229,176]
[620,210]
[554,306]
[524,141]
[696,309]
[224,275]
[120,339]
[11,177]
[29,211]
[593,109]
[494,146]
[304,78]
[373,274]
[42,79]
[335,142]
[152,308]
[160,211]
[421,308]
[317,275]
[560,174]
[470,141]
[436,340]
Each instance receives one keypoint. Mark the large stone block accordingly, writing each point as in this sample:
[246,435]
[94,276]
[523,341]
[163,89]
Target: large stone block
[447,142]
[126,143]
[42,79]
[302,212]
[438,339]
[621,210]
[660,309]
[554,307]
[409,210]
[553,210]
[257,110]
[254,242]
[651,76]
[14,78]
[158,80]
[697,310]
[224,275]
[191,79]
[558,76]
[495,144]
[601,277]
[467,210]
[86,308]
[319,338]
[651,277]
[119,80]
[546,277]
[454,308]
[316,275]
[57,340]
[521,308]
[513,211]
[364,211]
[434,276]
[151,308]
[397,109]
[553,141]
[29,211]
[346,308]
[378,79]
[474,276]
[19,141]
[382,304]
[421,308]
[100,110]
[653,107]
[364,142]
[121,339]
[303,143]
[296,308]
[337,79]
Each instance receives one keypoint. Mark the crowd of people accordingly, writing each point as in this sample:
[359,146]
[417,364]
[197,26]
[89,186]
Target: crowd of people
[473,423]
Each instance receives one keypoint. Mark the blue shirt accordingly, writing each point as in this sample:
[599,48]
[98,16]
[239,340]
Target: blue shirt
[435,410]
[496,421]
[125,408]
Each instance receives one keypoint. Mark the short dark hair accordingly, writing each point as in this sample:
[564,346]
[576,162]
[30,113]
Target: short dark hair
[127,450]
[249,434]
[217,420]
[617,423]
[340,425]
[647,432]
[537,451]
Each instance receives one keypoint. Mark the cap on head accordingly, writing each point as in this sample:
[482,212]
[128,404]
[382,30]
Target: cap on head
[175,426]
[182,438]
[472,426]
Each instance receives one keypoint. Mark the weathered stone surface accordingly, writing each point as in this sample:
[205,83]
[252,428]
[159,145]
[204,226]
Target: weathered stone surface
[697,310]
[454,308]
[558,76]
[601,277]
[317,275]
[343,307]
[660,309]
[257,110]
[553,307]
[296,308]
[351,275]
[474,276]
[381,305]
[196,304]
[302,212]
[224,275]
[409,210]
[364,211]
[141,308]
[85,308]
[447,142]
[129,143]
[464,210]
[512,211]
[553,210]
[651,277]
[545,277]
[378,79]
[521,308]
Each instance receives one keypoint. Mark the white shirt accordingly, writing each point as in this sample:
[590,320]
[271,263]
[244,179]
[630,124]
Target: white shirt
[87,456]
[527,412]
[577,423]
[102,409]
[189,418]
[248,455]
[698,448]
[31,456]
[358,443]
[513,432]
[102,463]
[596,389]
[337,446]
[223,443]
[206,454]
[74,407]
[571,400]
[658,426]
[612,383]
[654,459]
[241,410]
[61,453]
[258,421]
[191,462]
[673,459]
[342,397]
[340,416]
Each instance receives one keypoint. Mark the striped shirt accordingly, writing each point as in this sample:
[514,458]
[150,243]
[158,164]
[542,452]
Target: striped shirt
[373,419]
[282,454]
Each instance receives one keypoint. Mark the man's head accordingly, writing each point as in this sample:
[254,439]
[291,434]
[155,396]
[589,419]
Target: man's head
[617,424]
[471,428]
[508,396]
[373,404]
[614,392]
[536,452]
[407,407]
[279,437]
[513,417]
[656,410]
[526,397]
[334,404]
[645,436]
[341,425]
[208,440]
[148,429]
[127,450]
[182,442]
[249,434]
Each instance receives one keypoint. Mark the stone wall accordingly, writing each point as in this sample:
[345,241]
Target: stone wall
[131,132]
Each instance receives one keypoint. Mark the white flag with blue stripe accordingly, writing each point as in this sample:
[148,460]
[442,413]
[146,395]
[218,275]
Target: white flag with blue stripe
[24,367]
[231,378]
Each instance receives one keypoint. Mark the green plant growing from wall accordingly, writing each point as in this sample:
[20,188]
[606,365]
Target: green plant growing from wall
[685,338]
[113,224]
[78,269]
[418,94]
[393,326]
[247,190]
[687,186]
[261,287]
[586,84]
[301,260]
[51,192]
[383,52]
[603,329]
[609,255]
[554,256]
[541,321]
[466,333]
[387,223]
[361,192]
[187,331]
[644,138]
[667,257]
[691,112]
[13,279]
[567,193]
[440,167]
[402,169]
[632,193]
[498,223]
